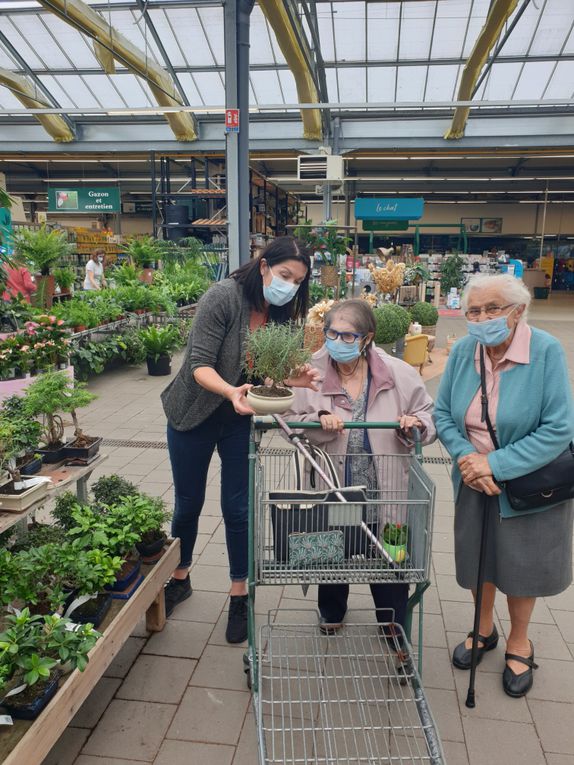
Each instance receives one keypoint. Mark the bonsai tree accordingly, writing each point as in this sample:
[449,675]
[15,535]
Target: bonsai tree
[272,354]
[9,452]
[425,313]
[26,432]
[146,515]
[43,248]
[109,532]
[451,273]
[392,323]
[110,490]
[52,394]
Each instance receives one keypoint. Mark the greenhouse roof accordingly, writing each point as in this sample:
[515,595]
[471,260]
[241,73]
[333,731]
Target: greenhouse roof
[396,60]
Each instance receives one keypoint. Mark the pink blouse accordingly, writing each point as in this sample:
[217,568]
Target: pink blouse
[518,352]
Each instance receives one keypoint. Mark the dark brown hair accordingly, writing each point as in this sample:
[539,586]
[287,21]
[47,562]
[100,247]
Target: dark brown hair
[249,276]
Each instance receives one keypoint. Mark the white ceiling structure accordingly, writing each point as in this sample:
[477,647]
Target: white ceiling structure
[393,60]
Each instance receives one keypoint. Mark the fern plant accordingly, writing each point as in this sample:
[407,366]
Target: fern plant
[43,248]
[159,341]
[274,352]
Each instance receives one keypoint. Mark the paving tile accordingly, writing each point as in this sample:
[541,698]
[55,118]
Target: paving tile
[432,601]
[559,759]
[131,729]
[491,700]
[555,725]
[499,742]
[565,622]
[208,524]
[65,751]
[189,753]
[210,715]
[433,631]
[87,759]
[157,678]
[212,506]
[214,555]
[455,753]
[443,542]
[268,598]
[444,708]
[220,667]
[247,752]
[96,703]
[210,578]
[562,602]
[443,524]
[449,589]
[443,562]
[547,639]
[181,639]
[554,681]
[437,669]
[203,606]
[125,657]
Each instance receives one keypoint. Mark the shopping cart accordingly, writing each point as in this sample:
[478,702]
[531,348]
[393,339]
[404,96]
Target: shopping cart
[353,696]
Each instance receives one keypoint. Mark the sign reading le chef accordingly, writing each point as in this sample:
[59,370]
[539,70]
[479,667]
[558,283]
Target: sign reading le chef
[389,208]
[84,200]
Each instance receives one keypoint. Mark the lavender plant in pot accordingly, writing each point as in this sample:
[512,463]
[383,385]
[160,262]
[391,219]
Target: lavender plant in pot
[273,353]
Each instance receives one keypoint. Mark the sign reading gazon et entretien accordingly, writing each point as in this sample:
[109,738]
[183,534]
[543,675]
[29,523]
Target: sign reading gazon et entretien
[84,200]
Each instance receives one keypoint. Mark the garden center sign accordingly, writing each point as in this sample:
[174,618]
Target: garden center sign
[389,208]
[84,200]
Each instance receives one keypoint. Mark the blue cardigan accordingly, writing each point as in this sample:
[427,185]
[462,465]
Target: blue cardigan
[535,415]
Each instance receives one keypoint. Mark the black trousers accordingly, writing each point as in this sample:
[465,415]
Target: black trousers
[333,601]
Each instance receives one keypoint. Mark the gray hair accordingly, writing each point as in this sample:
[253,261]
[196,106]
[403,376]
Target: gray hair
[357,311]
[513,290]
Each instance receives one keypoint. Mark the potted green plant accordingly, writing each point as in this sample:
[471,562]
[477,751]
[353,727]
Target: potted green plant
[111,489]
[26,434]
[43,248]
[147,515]
[392,325]
[49,396]
[273,353]
[79,314]
[451,273]
[65,278]
[143,252]
[426,315]
[158,343]
[17,493]
[394,539]
[33,652]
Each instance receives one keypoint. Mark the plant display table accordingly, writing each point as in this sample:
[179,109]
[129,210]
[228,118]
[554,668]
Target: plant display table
[64,478]
[30,742]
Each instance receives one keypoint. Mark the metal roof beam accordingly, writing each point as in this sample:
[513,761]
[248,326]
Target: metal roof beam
[127,5]
[142,5]
[59,126]
[498,14]
[81,16]
[283,19]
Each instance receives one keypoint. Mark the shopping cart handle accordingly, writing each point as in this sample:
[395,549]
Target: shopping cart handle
[262,423]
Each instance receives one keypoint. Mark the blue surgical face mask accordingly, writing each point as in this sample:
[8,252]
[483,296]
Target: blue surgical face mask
[345,353]
[279,292]
[491,332]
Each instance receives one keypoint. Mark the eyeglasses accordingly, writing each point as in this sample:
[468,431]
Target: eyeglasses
[346,337]
[492,310]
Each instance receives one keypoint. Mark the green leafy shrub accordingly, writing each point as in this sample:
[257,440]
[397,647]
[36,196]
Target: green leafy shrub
[451,273]
[110,489]
[65,277]
[43,247]
[63,506]
[425,313]
[159,341]
[391,323]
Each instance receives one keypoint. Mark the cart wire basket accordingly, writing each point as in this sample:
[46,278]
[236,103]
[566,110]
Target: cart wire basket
[340,699]
[398,512]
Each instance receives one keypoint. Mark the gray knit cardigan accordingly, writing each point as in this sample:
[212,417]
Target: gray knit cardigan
[216,340]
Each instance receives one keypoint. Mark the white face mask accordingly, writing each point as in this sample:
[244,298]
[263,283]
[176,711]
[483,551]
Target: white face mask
[100,259]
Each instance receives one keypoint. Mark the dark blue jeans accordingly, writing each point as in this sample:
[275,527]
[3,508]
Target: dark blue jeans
[190,453]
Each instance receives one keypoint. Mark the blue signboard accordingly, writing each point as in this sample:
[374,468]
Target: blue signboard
[389,208]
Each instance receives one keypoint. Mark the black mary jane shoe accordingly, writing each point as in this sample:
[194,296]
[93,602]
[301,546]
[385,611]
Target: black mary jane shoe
[518,685]
[461,656]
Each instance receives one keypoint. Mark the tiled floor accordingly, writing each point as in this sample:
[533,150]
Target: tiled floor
[179,697]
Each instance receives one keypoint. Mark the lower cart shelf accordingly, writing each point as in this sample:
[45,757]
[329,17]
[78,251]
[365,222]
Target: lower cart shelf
[343,698]
[28,743]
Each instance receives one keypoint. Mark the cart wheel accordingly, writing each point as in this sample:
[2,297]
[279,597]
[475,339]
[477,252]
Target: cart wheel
[247,669]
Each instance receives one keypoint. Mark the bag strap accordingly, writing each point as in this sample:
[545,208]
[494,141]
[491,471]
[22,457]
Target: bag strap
[322,457]
[485,417]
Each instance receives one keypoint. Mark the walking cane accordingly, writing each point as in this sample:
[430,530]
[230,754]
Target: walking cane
[470,701]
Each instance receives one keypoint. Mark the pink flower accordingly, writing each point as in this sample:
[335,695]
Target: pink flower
[60,322]
[52,319]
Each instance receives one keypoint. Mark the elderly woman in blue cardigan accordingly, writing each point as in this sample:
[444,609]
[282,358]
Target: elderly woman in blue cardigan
[529,555]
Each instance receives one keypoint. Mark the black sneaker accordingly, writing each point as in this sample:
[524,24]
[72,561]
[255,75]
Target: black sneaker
[176,591]
[237,622]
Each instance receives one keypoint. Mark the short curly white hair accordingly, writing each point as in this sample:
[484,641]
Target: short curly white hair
[511,289]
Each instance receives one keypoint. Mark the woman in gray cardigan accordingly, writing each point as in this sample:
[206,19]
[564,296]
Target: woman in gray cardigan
[206,407]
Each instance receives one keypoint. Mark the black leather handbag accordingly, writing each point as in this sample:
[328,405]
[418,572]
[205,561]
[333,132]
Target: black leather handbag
[549,485]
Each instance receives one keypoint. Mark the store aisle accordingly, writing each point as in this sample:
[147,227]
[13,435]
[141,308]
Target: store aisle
[179,697]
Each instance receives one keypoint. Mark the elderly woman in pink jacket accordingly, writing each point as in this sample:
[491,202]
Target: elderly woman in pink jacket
[360,382]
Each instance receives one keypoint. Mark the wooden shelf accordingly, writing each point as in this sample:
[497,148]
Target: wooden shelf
[63,479]
[28,743]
